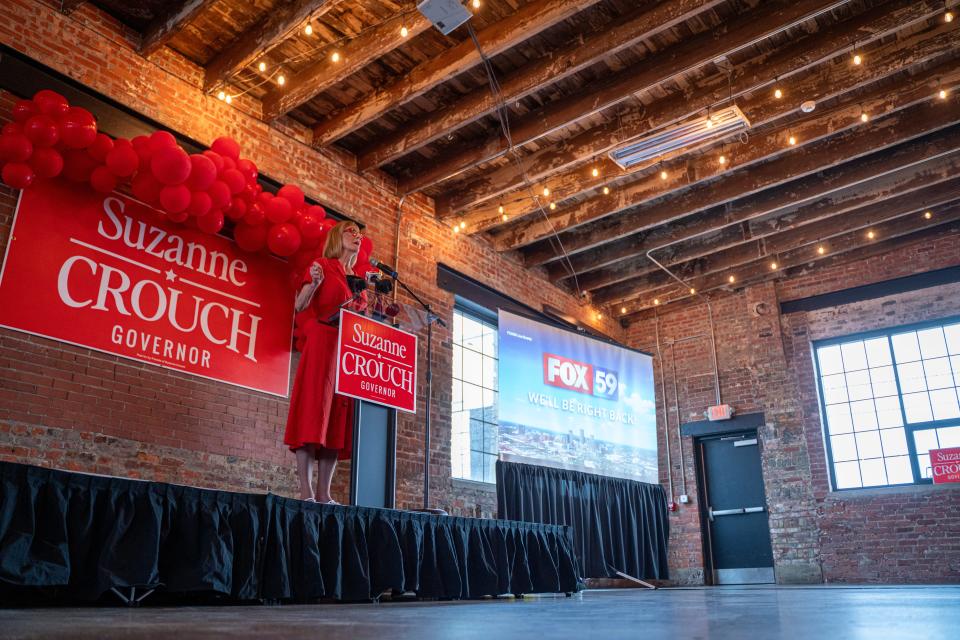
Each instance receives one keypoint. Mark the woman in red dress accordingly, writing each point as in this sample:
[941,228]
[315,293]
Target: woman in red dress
[320,423]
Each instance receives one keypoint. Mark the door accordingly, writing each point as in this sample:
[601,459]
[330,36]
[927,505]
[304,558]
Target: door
[735,510]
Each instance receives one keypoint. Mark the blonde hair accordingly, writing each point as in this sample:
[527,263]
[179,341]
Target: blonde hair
[333,248]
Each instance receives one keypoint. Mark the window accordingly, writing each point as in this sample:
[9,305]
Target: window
[474,442]
[886,399]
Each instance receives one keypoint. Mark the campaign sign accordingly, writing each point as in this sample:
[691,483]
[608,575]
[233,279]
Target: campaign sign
[945,464]
[109,273]
[376,362]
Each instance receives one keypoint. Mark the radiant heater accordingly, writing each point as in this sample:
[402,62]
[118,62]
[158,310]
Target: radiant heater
[691,134]
[446,15]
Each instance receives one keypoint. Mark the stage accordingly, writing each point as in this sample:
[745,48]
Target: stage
[71,537]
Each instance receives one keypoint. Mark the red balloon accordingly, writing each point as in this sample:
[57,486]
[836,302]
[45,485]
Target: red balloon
[101,146]
[181,216]
[18,175]
[237,209]
[202,173]
[170,165]
[42,130]
[215,158]
[278,210]
[311,223]
[11,128]
[292,194]
[366,248]
[234,180]
[228,163]
[226,147]
[248,169]
[161,139]
[175,199]
[78,128]
[23,110]
[103,180]
[311,243]
[146,188]
[78,165]
[15,147]
[250,237]
[211,222]
[283,239]
[122,160]
[199,203]
[254,215]
[46,162]
[219,194]
[51,102]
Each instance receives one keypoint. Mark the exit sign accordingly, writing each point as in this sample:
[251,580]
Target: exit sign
[719,412]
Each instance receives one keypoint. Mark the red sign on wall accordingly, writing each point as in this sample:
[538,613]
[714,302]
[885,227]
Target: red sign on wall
[376,362]
[945,464]
[111,274]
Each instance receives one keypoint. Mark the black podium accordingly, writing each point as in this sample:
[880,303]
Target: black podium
[373,462]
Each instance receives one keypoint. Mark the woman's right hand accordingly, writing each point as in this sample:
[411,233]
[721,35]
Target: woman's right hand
[316,273]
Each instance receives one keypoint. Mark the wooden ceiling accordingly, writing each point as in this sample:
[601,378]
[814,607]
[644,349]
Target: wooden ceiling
[875,162]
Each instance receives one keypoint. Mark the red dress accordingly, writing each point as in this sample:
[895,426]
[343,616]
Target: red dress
[318,415]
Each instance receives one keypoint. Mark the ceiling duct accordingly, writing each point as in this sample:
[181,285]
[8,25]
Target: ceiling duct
[717,125]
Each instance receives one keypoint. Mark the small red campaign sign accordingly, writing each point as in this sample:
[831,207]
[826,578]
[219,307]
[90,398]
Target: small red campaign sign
[376,362]
[111,274]
[945,464]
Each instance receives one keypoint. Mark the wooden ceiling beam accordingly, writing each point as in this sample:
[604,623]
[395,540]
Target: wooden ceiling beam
[528,21]
[355,54]
[888,235]
[882,133]
[280,23]
[784,234]
[69,6]
[744,30]
[748,77]
[167,25]
[840,177]
[604,41]
[878,100]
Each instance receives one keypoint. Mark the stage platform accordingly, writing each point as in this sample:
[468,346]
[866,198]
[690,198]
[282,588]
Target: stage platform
[70,536]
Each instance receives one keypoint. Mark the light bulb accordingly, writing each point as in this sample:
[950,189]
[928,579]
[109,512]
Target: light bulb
[928,215]
[948,16]
[773,265]
[709,123]
[222,95]
[546,192]
[792,140]
[606,191]
[623,309]
[663,175]
[463,225]
[553,205]
[693,291]
[403,32]
[281,79]
[821,250]
[335,56]
[595,172]
[871,235]
[777,93]
[656,301]
[505,217]
[723,159]
[731,279]
[229,99]
[942,94]
[500,209]
[308,29]
[262,66]
[476,4]
[864,117]
[857,59]
[456,228]
[599,316]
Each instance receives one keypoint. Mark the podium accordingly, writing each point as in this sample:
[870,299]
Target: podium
[373,461]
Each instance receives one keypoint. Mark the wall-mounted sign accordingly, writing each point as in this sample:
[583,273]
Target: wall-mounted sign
[111,274]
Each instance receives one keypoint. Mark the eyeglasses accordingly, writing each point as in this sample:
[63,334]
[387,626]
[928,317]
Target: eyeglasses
[356,233]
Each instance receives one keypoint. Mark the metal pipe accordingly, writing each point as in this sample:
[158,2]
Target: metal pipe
[396,245]
[676,398]
[666,412]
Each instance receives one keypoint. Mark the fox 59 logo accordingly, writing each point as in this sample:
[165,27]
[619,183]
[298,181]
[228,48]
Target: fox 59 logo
[580,377]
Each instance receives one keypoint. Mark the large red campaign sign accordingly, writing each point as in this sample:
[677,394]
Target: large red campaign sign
[111,274]
[945,464]
[376,362]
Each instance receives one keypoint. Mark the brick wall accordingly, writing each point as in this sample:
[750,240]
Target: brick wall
[873,535]
[74,408]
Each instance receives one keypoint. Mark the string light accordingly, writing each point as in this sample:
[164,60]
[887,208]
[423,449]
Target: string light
[222,95]
[463,225]
[731,279]
[595,172]
[606,191]
[228,99]
[553,205]
[863,116]
[777,93]
[871,235]
[928,215]
[693,291]
[792,140]
[476,4]
[821,250]
[623,310]
[456,228]
[281,79]
[948,16]
[857,59]
[723,159]
[262,66]
[942,94]
[546,192]
[505,217]
[663,175]
[656,301]
[335,56]
[773,265]
[308,30]
[404,32]
[599,316]
[500,209]
[709,122]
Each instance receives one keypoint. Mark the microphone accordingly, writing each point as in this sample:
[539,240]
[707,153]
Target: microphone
[384,268]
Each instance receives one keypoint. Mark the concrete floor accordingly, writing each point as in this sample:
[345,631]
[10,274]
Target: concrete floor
[717,613]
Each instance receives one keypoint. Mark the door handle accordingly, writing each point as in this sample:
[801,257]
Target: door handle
[733,512]
[754,510]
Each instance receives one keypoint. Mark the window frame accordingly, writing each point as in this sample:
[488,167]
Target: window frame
[485,316]
[908,427]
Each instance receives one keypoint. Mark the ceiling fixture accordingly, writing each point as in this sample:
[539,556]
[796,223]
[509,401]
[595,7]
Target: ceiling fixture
[505,217]
[476,4]
[928,215]
[553,205]
[871,235]
[262,66]
[623,310]
[500,209]
[693,291]
[723,159]
[731,279]
[606,191]
[546,192]
[281,79]
[821,250]
[807,106]
[308,29]
[221,95]
[792,140]
[773,265]
[404,32]
[335,56]
[463,225]
[719,124]
[228,99]
[596,172]
[656,301]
